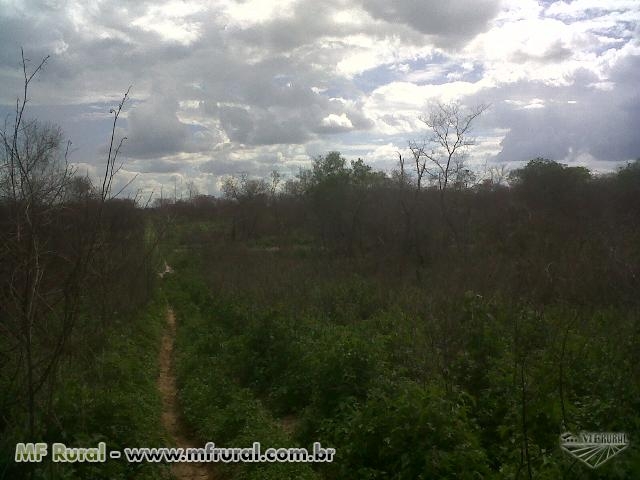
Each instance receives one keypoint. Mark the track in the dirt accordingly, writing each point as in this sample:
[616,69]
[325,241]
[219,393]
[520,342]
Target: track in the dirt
[171,418]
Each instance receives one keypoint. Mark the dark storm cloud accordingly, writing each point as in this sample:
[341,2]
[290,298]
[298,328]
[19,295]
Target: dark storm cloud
[576,119]
[154,130]
[262,126]
[308,21]
[280,108]
[93,56]
[452,22]
[274,93]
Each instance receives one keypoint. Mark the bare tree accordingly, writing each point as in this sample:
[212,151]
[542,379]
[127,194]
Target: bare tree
[409,201]
[111,170]
[442,155]
[32,183]
[498,175]
[419,161]
[192,190]
[43,275]
[275,178]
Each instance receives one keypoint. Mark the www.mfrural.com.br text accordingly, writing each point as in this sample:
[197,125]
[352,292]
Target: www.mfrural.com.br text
[59,452]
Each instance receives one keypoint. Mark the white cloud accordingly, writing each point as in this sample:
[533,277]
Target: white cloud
[337,122]
[582,8]
[220,84]
[250,12]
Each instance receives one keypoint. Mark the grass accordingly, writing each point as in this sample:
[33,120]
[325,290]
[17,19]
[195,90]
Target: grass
[404,382]
[107,394]
[216,406]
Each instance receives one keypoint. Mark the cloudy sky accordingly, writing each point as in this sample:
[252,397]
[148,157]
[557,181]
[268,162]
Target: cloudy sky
[228,86]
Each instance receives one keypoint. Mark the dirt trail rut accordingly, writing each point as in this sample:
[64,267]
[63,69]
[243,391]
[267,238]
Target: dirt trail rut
[171,418]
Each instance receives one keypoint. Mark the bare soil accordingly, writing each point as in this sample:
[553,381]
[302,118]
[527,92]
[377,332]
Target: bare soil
[171,419]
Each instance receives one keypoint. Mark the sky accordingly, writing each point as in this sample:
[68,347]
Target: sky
[224,87]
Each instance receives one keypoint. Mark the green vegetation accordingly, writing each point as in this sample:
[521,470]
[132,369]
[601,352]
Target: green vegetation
[80,317]
[468,364]
[217,407]
[425,324]
[106,393]
[431,394]
[435,334]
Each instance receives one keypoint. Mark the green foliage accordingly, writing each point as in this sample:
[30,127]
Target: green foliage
[541,172]
[627,191]
[339,366]
[216,405]
[112,398]
[407,431]
[346,300]
[413,353]
[551,186]
[403,386]
[331,167]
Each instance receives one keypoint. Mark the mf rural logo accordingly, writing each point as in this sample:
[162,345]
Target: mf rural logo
[594,448]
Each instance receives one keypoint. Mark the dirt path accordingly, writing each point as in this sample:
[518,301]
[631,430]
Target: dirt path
[171,419]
